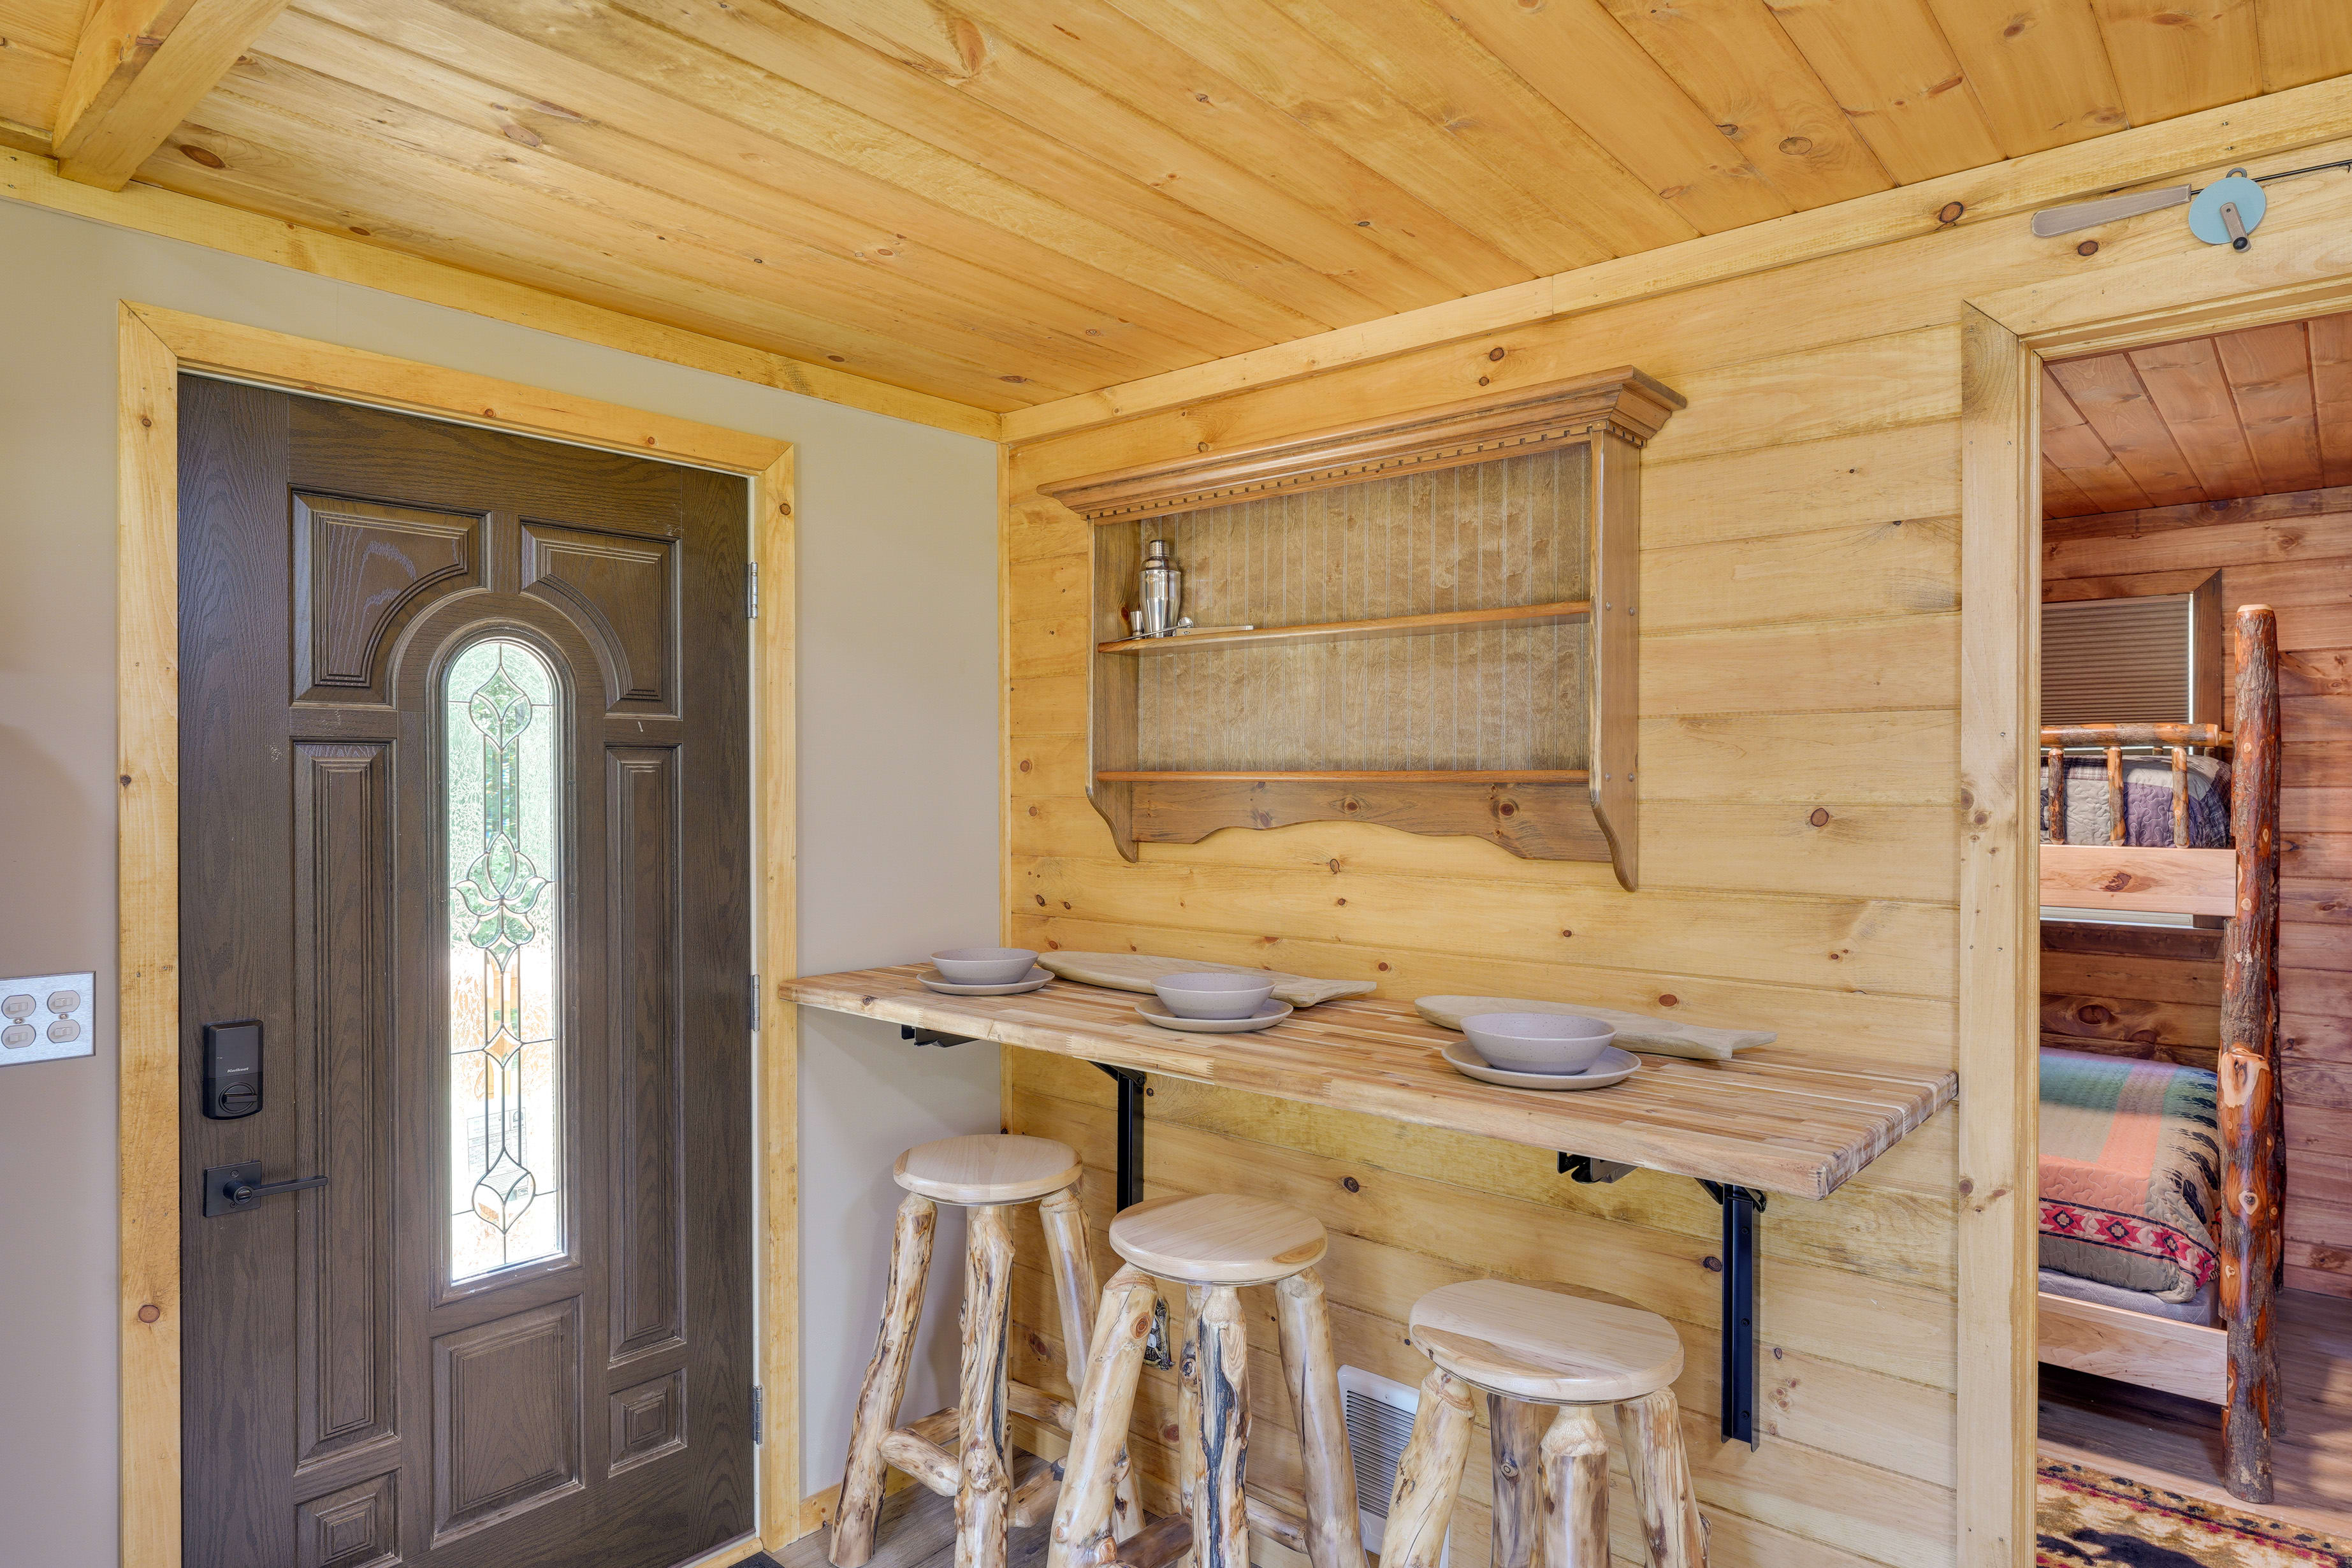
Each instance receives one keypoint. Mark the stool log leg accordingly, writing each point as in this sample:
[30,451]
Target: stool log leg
[1074,1290]
[1188,1400]
[1221,1359]
[885,1382]
[1334,1534]
[1083,1536]
[1576,1468]
[1518,1430]
[985,1497]
[1420,1505]
[1652,1428]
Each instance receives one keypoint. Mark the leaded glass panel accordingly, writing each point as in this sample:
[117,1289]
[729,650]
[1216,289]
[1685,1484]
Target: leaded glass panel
[500,745]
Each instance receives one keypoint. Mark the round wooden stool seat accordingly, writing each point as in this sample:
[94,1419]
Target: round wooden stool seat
[1214,1238]
[1535,1345]
[987,1168]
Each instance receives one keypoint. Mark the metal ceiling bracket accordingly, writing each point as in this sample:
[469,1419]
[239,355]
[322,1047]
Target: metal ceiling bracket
[923,1036]
[1740,1206]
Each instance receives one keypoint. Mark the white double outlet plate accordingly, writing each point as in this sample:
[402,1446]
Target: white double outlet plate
[46,1017]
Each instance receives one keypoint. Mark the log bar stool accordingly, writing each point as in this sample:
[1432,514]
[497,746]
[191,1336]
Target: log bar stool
[961,1452]
[1529,1348]
[1213,1245]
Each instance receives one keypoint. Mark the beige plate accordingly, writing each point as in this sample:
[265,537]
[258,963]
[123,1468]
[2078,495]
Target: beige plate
[1612,1066]
[1269,1013]
[1037,978]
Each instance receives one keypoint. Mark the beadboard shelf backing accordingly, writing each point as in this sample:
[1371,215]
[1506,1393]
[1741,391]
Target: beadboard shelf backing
[1443,628]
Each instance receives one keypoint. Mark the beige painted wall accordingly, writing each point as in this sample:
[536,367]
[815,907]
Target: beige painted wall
[898,666]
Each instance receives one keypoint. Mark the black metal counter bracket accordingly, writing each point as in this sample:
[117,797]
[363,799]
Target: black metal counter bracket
[1156,1349]
[923,1036]
[1740,1206]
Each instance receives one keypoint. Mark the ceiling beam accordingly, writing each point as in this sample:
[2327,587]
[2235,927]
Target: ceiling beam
[140,67]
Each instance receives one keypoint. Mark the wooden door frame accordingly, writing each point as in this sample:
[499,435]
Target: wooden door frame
[154,347]
[2185,290]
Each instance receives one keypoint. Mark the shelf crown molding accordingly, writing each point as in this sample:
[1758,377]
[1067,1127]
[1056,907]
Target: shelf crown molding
[1622,402]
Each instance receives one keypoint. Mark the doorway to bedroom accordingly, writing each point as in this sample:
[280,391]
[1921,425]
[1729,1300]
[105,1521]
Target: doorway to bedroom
[2196,991]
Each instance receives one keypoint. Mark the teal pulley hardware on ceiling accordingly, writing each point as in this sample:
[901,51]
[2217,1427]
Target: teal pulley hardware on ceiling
[2225,212]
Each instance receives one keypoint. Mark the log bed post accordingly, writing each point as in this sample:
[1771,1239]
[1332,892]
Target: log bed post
[2118,820]
[2058,795]
[2251,1118]
[2180,797]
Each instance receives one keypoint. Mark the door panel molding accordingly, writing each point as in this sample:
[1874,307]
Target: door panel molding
[351,1527]
[506,1396]
[342,993]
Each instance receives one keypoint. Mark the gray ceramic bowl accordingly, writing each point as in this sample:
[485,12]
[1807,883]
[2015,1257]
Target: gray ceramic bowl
[1213,996]
[1538,1042]
[985,965]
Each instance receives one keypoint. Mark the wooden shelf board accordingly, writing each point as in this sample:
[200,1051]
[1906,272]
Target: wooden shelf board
[1522,775]
[1345,631]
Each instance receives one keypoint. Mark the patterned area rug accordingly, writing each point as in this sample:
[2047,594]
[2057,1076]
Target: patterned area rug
[2088,1517]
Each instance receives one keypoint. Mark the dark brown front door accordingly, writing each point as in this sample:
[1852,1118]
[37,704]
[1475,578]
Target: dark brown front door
[464,831]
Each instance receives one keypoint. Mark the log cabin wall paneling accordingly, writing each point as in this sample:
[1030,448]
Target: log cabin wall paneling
[2157,992]
[1799,761]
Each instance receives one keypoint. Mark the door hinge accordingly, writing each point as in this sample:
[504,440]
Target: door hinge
[751,590]
[759,1414]
[755,1002]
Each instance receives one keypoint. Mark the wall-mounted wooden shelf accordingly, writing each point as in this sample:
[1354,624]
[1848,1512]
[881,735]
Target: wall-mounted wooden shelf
[1445,643]
[1347,631]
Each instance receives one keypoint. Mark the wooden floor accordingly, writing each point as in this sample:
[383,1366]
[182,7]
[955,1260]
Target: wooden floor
[2176,1443]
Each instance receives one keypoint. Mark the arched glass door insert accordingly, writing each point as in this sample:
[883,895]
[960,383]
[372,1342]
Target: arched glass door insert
[500,739]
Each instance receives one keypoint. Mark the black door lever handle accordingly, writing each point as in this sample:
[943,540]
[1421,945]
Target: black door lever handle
[232,1189]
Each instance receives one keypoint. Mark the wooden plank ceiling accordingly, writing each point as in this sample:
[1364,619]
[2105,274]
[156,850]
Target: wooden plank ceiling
[1005,202]
[2212,418]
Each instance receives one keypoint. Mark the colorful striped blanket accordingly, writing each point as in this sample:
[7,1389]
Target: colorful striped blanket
[2130,1172]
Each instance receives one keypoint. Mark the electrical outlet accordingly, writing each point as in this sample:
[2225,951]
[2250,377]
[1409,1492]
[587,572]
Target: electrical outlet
[45,1016]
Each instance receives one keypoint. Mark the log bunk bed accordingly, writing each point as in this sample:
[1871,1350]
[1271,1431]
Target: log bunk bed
[2156,1175]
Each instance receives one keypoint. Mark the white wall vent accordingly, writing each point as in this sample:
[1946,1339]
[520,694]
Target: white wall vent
[1378,1413]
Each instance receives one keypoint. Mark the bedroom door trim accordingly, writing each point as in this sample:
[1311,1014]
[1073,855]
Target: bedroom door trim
[2179,287]
[154,347]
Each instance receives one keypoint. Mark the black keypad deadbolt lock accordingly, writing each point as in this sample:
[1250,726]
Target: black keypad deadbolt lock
[231,1070]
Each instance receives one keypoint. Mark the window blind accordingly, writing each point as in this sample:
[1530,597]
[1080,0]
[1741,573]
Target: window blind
[2116,662]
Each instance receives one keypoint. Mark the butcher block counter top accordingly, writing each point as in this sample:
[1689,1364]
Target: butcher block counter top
[1774,1121]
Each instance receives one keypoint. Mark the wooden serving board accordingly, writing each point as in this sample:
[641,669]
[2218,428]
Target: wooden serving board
[1781,1121]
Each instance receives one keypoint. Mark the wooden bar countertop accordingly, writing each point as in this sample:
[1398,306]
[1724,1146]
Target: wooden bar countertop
[1780,1122]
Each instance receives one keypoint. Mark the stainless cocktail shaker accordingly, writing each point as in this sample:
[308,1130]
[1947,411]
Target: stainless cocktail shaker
[1163,592]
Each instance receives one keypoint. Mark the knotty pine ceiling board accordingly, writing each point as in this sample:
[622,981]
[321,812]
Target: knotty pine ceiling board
[2218,418]
[1005,202]
[36,45]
